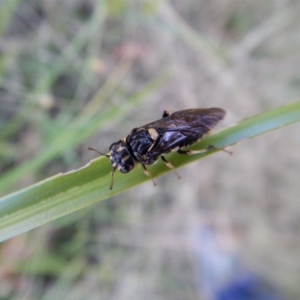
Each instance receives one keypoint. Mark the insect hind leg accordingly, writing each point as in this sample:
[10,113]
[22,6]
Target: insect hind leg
[169,165]
[147,173]
[191,152]
[210,147]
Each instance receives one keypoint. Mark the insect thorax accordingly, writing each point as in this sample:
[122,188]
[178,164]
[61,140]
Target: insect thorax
[139,141]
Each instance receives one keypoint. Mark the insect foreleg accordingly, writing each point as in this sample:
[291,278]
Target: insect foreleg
[169,165]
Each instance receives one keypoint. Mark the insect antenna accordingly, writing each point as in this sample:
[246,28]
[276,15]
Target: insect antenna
[114,169]
[112,178]
[93,149]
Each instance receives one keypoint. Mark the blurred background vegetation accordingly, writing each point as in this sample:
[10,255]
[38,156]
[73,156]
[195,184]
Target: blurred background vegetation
[81,73]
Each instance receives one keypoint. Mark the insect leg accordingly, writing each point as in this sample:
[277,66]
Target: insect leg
[166,113]
[212,147]
[147,173]
[169,165]
[191,152]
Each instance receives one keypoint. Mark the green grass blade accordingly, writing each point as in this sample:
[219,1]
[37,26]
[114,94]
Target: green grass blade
[65,193]
[83,127]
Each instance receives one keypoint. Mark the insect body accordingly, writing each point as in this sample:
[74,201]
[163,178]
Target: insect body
[174,131]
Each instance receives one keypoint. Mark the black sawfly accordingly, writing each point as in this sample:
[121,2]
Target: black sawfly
[145,144]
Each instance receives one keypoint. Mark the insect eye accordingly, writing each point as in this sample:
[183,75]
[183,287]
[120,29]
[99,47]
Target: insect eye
[126,168]
[114,145]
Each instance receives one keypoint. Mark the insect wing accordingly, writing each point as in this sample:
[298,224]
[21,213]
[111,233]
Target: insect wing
[189,119]
[184,128]
[169,141]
